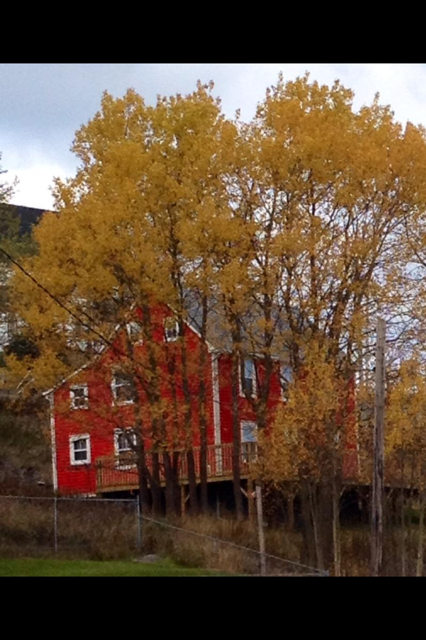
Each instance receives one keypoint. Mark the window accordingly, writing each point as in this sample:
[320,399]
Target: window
[248,432]
[79,396]
[248,441]
[248,378]
[124,443]
[80,450]
[171,329]
[286,378]
[124,439]
[134,331]
[123,389]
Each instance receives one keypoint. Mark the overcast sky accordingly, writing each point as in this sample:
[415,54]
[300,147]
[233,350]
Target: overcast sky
[42,105]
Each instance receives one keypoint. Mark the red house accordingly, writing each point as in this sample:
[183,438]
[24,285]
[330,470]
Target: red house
[98,412]
[93,408]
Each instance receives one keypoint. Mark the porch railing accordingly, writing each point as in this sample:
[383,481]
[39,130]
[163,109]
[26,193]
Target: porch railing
[120,473]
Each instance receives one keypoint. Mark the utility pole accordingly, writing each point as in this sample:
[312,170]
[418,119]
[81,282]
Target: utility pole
[138,524]
[261,532]
[378,488]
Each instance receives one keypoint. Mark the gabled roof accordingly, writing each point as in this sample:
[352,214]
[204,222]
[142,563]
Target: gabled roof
[218,336]
[218,333]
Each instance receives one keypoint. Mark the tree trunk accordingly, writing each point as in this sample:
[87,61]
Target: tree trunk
[203,409]
[170,483]
[310,550]
[157,494]
[188,424]
[192,479]
[143,485]
[290,511]
[403,536]
[236,438]
[420,547]
[337,561]
[177,492]
[143,473]
[317,524]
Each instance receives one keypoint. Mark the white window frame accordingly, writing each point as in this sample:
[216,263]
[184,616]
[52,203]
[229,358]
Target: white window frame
[131,326]
[173,338]
[284,367]
[114,387]
[85,388]
[117,434]
[80,463]
[252,423]
[254,381]
[123,465]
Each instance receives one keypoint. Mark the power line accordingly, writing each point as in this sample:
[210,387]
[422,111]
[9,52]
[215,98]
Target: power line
[68,310]
[234,545]
[55,299]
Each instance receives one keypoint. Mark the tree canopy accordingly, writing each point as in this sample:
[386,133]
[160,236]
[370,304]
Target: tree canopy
[296,229]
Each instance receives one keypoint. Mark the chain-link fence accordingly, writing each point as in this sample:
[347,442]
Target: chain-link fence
[97,529]
[116,529]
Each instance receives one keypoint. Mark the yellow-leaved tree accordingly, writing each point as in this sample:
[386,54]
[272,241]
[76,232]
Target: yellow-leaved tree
[122,239]
[309,447]
[406,449]
[289,230]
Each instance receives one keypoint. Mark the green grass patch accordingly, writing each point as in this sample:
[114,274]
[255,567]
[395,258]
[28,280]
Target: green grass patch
[43,568]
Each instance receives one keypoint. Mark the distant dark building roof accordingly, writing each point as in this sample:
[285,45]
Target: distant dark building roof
[29,216]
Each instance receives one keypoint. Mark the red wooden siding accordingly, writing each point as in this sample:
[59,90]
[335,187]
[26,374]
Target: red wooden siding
[102,417]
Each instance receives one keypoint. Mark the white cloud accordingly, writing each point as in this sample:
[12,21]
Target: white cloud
[403,86]
[51,101]
[35,178]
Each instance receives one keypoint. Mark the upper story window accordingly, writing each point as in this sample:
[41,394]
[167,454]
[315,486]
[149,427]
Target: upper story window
[286,378]
[134,331]
[248,385]
[79,395]
[123,391]
[80,450]
[171,329]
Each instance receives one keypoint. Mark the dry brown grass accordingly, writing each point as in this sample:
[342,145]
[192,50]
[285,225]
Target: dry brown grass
[99,531]
[209,548]
[108,531]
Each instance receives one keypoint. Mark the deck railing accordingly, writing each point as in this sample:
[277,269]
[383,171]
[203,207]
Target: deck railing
[120,473]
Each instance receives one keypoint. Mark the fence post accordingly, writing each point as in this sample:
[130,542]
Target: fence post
[55,523]
[138,524]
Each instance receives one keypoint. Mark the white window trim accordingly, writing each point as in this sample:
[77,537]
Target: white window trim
[283,395]
[117,433]
[176,327]
[240,371]
[114,387]
[118,454]
[129,332]
[85,387]
[256,428]
[80,463]
[246,451]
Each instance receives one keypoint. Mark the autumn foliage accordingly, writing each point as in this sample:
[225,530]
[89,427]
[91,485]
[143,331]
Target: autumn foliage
[291,228]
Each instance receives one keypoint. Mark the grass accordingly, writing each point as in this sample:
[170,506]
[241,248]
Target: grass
[44,568]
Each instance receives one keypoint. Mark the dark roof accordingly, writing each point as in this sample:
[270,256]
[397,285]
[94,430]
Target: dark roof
[28,216]
[218,330]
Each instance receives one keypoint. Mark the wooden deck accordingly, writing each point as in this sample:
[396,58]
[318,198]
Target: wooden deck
[120,474]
